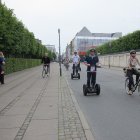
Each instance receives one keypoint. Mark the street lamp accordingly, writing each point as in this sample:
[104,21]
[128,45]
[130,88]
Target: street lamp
[110,48]
[59,53]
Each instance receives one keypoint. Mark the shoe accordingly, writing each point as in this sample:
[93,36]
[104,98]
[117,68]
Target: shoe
[130,92]
[133,88]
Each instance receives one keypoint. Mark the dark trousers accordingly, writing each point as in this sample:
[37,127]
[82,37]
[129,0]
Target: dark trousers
[75,69]
[1,75]
[2,78]
[130,76]
[48,68]
[91,78]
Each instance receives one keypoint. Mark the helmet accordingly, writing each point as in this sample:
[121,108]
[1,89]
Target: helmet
[132,52]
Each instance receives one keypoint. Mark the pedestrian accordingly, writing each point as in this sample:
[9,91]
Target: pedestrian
[2,63]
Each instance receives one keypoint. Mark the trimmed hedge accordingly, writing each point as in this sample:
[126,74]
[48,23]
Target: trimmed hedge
[16,40]
[125,43]
[18,64]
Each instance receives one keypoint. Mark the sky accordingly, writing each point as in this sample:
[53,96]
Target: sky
[44,17]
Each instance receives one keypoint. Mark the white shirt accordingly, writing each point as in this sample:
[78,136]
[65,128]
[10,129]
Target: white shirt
[75,59]
[133,62]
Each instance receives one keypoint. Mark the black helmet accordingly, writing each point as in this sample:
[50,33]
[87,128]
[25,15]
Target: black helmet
[132,52]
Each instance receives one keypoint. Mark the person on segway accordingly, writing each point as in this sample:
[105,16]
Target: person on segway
[76,61]
[91,62]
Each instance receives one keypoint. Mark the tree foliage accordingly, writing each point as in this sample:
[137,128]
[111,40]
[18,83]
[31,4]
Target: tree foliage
[126,43]
[15,39]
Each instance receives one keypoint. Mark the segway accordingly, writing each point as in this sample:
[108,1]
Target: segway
[93,88]
[75,75]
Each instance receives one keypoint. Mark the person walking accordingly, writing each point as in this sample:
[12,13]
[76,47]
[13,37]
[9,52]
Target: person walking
[2,63]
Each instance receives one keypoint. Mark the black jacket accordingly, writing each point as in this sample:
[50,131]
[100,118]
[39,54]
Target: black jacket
[45,60]
[91,61]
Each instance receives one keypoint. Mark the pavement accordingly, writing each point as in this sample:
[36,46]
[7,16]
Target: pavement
[36,108]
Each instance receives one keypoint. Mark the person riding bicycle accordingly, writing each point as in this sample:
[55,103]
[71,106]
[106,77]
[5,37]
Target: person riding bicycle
[132,70]
[46,62]
[91,62]
[76,61]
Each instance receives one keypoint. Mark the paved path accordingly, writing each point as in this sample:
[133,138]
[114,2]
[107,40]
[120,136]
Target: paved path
[33,108]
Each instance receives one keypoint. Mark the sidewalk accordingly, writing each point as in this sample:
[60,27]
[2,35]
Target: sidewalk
[44,111]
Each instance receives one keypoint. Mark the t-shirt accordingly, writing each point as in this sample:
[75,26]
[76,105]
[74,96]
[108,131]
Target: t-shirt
[2,59]
[133,62]
[92,60]
[75,59]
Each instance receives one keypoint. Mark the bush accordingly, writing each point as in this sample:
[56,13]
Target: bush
[126,43]
[18,64]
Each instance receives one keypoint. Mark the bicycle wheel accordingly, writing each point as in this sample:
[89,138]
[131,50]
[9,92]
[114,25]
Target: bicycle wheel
[43,73]
[127,85]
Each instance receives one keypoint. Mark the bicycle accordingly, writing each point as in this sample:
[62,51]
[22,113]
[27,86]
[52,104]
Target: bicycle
[46,70]
[134,87]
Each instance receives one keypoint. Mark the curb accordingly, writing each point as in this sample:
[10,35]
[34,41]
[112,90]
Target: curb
[84,122]
[113,68]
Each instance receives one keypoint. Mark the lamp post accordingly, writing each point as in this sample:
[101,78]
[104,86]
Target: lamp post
[59,53]
[110,48]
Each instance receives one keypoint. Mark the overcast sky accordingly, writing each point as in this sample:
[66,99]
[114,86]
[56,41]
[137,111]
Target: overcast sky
[44,17]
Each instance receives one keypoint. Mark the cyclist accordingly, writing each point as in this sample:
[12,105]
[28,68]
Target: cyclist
[91,62]
[46,62]
[76,61]
[132,63]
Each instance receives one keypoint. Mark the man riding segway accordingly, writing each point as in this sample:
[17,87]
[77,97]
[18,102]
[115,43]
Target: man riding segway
[76,61]
[91,61]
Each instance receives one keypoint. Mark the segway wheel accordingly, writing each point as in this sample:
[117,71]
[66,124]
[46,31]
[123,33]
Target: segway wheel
[85,90]
[71,76]
[97,88]
[78,75]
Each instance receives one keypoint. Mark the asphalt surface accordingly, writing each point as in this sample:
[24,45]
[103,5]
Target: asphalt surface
[113,115]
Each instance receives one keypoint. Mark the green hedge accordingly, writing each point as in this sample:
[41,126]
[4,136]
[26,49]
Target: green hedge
[18,64]
[16,40]
[125,43]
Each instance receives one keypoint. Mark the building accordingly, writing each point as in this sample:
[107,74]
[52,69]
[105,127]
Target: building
[85,40]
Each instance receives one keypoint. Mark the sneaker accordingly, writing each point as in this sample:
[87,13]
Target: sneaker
[130,92]
[133,88]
